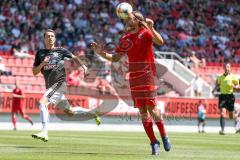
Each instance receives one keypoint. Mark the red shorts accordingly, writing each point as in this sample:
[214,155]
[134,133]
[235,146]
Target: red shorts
[143,99]
[17,109]
[142,102]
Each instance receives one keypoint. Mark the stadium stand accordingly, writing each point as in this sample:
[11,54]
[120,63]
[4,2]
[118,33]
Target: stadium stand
[204,32]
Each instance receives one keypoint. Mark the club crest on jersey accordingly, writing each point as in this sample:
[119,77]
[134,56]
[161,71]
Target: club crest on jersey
[140,36]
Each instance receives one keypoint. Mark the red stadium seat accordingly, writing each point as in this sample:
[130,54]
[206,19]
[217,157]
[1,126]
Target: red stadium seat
[43,88]
[15,70]
[235,70]
[22,71]
[27,62]
[29,71]
[18,62]
[4,61]
[10,62]
[11,79]
[7,53]
[37,88]
[4,79]
[25,80]
[32,80]
[40,80]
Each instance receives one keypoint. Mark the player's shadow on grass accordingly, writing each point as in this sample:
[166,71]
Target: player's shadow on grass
[28,147]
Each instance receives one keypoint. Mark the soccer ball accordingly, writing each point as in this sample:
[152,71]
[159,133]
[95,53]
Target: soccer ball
[123,9]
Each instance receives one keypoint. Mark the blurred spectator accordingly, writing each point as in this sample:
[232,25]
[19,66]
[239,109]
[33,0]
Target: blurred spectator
[182,23]
[75,77]
[22,52]
[3,69]
[197,85]
[194,60]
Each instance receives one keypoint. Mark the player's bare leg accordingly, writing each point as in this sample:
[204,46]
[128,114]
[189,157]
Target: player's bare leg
[71,111]
[155,114]
[231,115]
[25,116]
[14,121]
[203,127]
[222,121]
[199,126]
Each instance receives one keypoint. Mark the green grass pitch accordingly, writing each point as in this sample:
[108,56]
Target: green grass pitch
[19,145]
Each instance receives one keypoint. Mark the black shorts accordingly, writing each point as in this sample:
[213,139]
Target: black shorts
[200,120]
[226,101]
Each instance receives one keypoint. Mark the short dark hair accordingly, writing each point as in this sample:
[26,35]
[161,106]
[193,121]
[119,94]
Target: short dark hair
[49,30]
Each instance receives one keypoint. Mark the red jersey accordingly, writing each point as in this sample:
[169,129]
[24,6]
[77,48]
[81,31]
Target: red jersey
[139,49]
[17,102]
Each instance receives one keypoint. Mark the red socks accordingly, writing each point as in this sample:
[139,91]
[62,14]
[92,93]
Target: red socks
[148,126]
[161,128]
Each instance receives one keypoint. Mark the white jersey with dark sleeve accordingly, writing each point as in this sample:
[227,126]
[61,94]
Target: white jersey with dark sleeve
[54,71]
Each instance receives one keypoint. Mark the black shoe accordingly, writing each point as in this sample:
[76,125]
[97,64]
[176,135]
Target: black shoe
[30,121]
[155,147]
[222,132]
[166,144]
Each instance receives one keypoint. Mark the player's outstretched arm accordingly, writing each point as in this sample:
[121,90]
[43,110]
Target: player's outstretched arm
[110,57]
[18,96]
[236,86]
[78,61]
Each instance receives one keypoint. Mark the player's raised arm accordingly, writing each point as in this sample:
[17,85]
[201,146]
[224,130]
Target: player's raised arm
[157,38]
[110,57]
[148,24]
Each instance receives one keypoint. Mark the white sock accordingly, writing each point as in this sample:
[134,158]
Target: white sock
[44,117]
[76,109]
[79,110]
[238,125]
[45,127]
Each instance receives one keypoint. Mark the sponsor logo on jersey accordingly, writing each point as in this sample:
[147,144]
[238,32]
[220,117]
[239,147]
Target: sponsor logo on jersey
[55,54]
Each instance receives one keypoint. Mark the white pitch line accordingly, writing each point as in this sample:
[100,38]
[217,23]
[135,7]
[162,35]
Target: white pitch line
[109,127]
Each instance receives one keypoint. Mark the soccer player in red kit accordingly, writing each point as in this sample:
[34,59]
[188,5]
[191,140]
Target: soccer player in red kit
[17,106]
[137,44]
